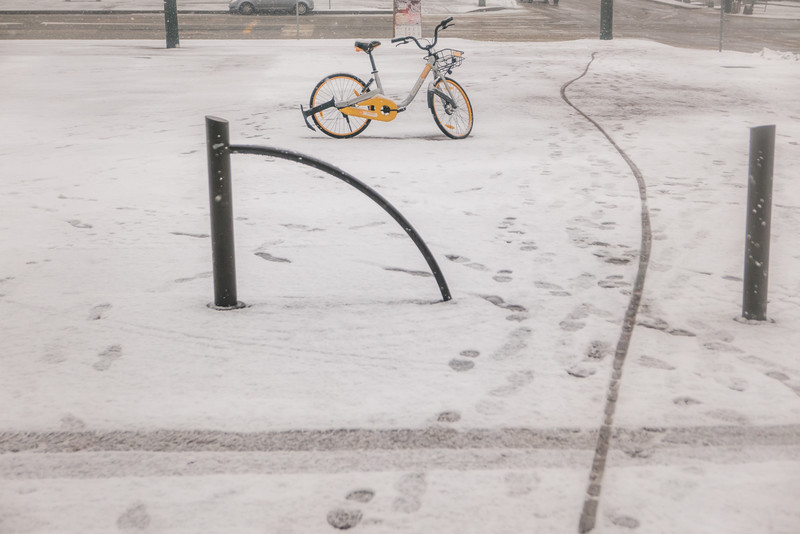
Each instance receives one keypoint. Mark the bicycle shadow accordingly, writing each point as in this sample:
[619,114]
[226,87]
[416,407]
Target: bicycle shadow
[365,136]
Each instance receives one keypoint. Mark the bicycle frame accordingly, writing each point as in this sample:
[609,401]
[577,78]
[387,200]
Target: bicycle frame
[383,108]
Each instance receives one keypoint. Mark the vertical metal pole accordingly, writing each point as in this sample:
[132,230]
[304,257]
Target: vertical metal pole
[171,22]
[606,19]
[721,21]
[759,218]
[297,17]
[221,202]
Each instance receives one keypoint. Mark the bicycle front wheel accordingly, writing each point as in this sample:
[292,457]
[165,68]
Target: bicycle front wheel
[453,119]
[331,121]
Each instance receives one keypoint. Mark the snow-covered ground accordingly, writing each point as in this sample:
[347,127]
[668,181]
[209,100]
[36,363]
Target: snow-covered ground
[345,390]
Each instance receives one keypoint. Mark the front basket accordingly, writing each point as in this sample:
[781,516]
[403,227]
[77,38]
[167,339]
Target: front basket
[448,59]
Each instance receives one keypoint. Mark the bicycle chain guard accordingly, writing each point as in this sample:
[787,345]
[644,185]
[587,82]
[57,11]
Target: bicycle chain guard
[376,108]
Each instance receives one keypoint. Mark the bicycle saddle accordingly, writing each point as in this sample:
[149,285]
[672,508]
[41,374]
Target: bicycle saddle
[367,47]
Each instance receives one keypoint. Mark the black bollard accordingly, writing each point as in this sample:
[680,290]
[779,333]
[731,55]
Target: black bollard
[759,218]
[606,19]
[171,22]
[220,195]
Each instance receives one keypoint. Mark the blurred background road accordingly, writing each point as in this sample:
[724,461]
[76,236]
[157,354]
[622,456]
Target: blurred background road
[672,23]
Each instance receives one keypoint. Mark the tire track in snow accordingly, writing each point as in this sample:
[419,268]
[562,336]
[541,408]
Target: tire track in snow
[589,513]
[631,441]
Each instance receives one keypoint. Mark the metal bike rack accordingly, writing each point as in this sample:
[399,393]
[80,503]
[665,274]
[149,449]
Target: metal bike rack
[221,203]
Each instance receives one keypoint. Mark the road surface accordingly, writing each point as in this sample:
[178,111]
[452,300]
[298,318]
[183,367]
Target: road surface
[571,19]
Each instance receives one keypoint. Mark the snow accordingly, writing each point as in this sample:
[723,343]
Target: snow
[534,219]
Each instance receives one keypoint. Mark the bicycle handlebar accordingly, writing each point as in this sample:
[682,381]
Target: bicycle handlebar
[443,25]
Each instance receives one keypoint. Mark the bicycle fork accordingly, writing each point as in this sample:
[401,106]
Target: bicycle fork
[446,96]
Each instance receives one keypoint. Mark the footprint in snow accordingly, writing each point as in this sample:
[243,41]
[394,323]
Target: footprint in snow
[107,357]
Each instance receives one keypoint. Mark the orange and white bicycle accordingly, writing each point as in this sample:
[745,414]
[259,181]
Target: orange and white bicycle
[342,105]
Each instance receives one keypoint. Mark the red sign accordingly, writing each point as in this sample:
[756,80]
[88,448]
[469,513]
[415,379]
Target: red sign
[408,18]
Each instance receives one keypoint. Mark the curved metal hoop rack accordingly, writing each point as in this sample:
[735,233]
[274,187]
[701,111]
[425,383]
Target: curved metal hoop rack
[220,198]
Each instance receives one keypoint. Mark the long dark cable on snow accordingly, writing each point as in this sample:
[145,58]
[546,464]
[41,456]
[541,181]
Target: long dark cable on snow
[592,499]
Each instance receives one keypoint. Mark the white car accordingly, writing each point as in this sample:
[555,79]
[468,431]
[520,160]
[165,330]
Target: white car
[250,7]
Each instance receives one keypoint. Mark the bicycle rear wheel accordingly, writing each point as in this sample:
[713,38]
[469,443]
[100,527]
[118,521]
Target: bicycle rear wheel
[455,121]
[331,121]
